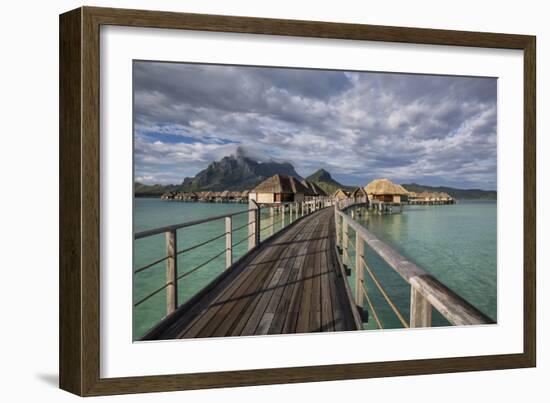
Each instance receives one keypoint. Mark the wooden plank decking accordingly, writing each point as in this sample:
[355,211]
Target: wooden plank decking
[292,283]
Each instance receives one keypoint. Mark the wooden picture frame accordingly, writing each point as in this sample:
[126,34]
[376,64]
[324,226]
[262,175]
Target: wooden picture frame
[80,200]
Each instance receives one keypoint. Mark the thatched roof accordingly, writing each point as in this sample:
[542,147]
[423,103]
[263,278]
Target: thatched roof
[385,187]
[340,192]
[314,189]
[280,184]
[358,192]
[434,195]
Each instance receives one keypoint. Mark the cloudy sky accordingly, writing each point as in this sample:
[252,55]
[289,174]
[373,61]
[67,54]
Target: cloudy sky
[433,130]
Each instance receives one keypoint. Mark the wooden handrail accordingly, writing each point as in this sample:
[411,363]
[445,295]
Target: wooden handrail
[426,290]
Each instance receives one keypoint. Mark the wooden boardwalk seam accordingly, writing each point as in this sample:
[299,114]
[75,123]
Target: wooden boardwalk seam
[292,283]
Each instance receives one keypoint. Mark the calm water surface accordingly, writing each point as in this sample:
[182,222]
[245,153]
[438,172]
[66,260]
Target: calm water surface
[455,243]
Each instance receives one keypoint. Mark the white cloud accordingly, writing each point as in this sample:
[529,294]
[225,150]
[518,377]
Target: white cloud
[357,125]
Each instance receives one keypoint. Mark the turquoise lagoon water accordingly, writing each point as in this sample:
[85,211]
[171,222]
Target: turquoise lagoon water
[456,243]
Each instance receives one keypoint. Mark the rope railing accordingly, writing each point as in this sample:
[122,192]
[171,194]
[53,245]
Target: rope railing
[426,291]
[189,249]
[378,284]
[385,295]
[244,239]
[200,265]
[152,294]
[148,266]
[371,306]
[272,225]
[243,226]
[392,305]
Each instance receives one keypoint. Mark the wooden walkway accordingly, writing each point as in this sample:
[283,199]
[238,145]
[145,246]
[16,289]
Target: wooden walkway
[292,283]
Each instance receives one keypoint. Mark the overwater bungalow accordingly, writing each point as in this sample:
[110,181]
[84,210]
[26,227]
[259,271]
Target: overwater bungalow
[340,194]
[279,189]
[445,198]
[191,196]
[168,196]
[234,196]
[314,189]
[207,196]
[221,196]
[244,195]
[385,191]
[359,195]
[430,198]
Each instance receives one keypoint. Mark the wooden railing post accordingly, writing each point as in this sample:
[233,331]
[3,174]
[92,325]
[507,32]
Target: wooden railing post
[290,212]
[271,220]
[359,274]
[421,310]
[258,223]
[228,242]
[171,272]
[283,216]
[345,241]
[337,225]
[253,218]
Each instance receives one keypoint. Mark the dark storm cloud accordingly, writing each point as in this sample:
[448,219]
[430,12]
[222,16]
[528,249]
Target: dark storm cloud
[428,129]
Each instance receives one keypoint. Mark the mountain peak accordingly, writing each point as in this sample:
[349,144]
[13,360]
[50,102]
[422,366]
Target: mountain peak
[238,171]
[324,180]
[240,153]
[320,175]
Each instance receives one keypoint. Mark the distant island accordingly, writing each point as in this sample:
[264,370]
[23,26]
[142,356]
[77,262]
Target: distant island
[239,172]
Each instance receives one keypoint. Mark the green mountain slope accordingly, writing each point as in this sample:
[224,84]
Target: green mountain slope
[325,181]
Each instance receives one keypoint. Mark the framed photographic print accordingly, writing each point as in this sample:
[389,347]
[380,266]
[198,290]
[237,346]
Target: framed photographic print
[250,201]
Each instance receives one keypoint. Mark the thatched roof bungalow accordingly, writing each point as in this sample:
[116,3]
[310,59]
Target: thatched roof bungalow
[426,197]
[279,189]
[313,188]
[207,196]
[191,196]
[168,196]
[386,191]
[340,194]
[359,195]
[224,196]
